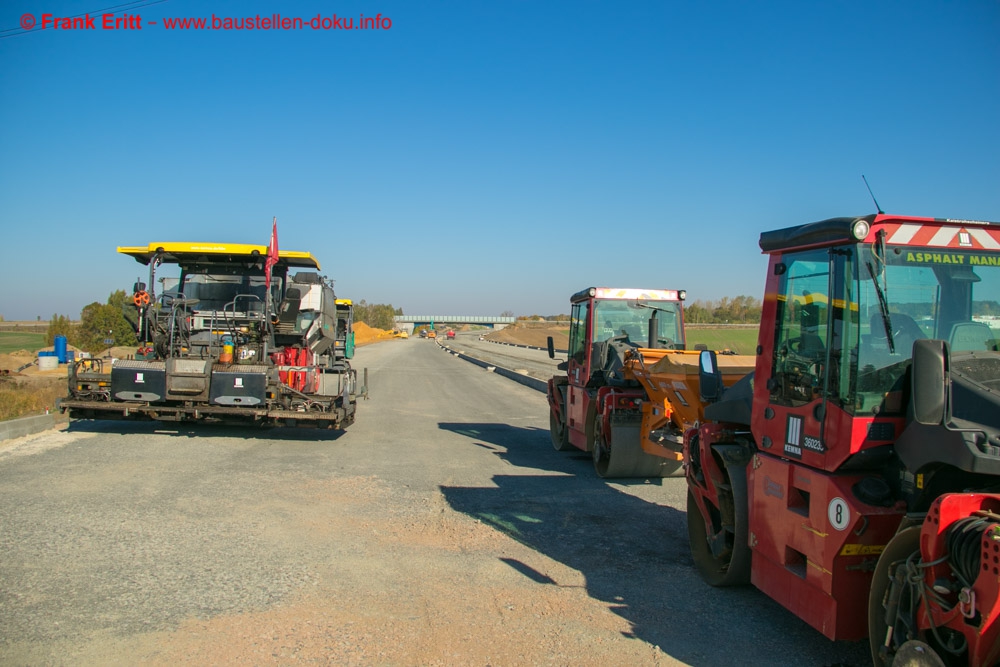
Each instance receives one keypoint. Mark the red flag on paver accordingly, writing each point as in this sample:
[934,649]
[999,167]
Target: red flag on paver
[272,255]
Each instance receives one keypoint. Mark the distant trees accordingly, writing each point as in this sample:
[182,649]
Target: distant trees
[60,325]
[735,310]
[100,321]
[978,308]
[377,315]
[731,310]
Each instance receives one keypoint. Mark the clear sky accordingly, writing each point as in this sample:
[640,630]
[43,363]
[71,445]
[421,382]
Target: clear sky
[481,156]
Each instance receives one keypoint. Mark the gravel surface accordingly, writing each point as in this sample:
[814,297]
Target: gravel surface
[440,529]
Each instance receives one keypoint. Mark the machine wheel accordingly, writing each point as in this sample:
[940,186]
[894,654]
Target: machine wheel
[619,453]
[559,433]
[721,553]
[904,543]
[917,654]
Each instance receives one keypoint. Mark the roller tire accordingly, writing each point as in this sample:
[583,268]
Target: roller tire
[732,569]
[559,433]
[623,456]
[903,543]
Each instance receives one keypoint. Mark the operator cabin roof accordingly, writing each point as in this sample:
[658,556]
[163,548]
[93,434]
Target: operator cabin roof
[188,253]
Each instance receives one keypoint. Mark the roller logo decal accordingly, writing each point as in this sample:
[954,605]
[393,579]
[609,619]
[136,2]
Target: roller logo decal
[793,437]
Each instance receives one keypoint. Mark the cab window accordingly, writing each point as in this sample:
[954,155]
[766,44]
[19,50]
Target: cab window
[800,360]
[577,331]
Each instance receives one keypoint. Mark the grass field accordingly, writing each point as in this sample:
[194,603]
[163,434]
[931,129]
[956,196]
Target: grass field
[14,341]
[740,341]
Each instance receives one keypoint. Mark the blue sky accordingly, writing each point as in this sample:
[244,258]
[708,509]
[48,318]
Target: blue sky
[485,156]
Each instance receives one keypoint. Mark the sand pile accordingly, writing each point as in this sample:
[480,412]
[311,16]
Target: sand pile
[364,334]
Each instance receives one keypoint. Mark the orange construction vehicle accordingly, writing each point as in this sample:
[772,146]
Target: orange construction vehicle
[673,404]
[630,389]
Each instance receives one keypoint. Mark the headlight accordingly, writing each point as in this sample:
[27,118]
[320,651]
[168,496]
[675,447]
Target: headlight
[861,229]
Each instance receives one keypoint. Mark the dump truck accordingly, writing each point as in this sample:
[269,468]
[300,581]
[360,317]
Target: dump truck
[628,392]
[242,335]
[855,477]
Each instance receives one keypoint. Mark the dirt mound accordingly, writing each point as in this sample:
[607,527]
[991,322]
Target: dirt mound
[365,335]
[15,360]
[536,334]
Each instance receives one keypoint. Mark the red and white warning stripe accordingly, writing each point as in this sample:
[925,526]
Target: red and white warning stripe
[943,236]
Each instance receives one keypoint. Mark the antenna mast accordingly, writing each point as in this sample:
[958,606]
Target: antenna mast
[877,207]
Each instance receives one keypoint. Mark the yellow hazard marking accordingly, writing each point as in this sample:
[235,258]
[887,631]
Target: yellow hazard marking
[819,567]
[862,549]
[814,531]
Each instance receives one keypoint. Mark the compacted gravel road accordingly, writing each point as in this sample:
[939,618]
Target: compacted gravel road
[440,529]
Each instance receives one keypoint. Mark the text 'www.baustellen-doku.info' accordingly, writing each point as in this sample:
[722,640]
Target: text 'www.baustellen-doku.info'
[48,21]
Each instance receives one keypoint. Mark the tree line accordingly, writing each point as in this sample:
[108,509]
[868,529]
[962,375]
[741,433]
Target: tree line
[377,315]
[727,310]
[542,318]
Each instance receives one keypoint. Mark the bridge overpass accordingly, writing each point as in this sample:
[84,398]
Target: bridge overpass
[411,322]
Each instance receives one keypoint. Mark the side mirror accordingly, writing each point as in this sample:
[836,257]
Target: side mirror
[930,381]
[551,347]
[709,377]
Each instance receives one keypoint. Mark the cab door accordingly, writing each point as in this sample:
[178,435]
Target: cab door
[578,370]
[801,369]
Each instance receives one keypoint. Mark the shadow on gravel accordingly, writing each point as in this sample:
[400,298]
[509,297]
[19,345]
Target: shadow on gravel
[633,554]
[201,430]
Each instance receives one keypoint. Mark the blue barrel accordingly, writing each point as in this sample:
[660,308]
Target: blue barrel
[60,343]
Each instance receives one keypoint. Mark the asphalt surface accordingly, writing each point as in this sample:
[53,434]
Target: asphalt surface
[441,528]
[535,362]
